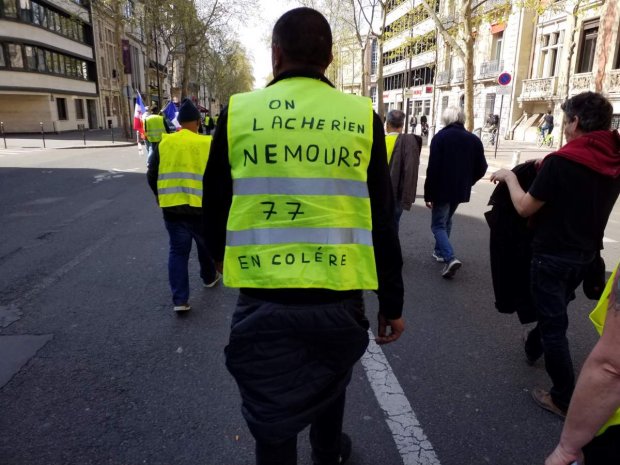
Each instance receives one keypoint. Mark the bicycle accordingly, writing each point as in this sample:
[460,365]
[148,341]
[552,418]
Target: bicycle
[544,140]
[488,136]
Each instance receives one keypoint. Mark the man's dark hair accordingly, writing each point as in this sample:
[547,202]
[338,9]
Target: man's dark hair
[396,118]
[304,36]
[154,108]
[594,111]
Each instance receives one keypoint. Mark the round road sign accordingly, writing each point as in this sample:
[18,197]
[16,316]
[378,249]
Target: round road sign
[504,79]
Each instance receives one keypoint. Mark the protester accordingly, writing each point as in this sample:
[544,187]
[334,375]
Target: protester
[208,123]
[592,426]
[456,162]
[403,152]
[306,225]
[154,128]
[492,124]
[569,201]
[423,126]
[174,174]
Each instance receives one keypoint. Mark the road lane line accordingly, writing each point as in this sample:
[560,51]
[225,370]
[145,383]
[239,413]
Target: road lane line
[607,240]
[411,442]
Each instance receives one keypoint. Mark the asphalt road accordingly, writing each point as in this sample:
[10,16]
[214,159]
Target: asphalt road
[119,379]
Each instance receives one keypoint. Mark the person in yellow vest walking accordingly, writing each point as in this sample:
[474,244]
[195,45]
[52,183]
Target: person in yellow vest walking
[209,123]
[175,174]
[154,129]
[592,426]
[300,209]
[403,152]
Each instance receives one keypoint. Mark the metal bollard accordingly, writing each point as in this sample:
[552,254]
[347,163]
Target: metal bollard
[516,156]
[42,133]
[84,133]
[2,131]
[112,132]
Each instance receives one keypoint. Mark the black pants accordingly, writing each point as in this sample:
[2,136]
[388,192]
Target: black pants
[325,433]
[604,449]
[292,363]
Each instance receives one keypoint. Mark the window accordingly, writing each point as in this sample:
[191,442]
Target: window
[31,58]
[617,61]
[374,61]
[615,122]
[107,106]
[444,103]
[588,47]
[79,108]
[489,106]
[550,54]
[24,6]
[2,59]
[15,56]
[373,94]
[8,8]
[498,41]
[61,106]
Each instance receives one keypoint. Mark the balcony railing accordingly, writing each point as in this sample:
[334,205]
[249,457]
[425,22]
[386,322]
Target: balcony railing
[581,82]
[613,81]
[443,78]
[539,89]
[491,69]
[459,74]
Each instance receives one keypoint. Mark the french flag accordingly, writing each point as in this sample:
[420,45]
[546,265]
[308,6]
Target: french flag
[138,111]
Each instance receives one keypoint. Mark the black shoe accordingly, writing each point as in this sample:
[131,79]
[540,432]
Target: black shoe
[450,269]
[345,451]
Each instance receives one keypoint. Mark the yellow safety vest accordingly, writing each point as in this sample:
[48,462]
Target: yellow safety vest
[183,158]
[155,128]
[390,142]
[300,215]
[597,317]
[207,120]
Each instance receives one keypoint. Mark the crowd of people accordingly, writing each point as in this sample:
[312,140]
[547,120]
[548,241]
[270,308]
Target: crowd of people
[296,200]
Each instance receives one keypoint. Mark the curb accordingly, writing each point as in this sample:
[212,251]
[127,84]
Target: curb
[78,147]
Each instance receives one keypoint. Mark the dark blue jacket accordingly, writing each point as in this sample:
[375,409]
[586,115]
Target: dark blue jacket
[455,164]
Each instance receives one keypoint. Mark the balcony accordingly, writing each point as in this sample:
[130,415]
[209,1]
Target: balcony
[458,76]
[491,69]
[443,78]
[539,89]
[581,82]
[613,81]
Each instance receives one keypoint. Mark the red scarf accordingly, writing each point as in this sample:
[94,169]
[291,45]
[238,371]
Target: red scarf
[598,150]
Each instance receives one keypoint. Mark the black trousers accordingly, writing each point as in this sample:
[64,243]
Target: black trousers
[292,363]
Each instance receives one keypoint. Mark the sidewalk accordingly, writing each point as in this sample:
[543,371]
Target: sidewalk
[90,138]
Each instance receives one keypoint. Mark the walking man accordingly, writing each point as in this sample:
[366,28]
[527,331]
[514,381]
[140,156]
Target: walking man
[456,162]
[298,205]
[175,176]
[403,152]
[154,128]
[570,201]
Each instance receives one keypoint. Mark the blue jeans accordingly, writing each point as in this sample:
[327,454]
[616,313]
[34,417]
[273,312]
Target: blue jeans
[181,235]
[150,148]
[441,225]
[546,129]
[553,281]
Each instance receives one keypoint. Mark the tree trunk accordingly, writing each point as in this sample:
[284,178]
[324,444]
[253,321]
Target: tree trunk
[380,105]
[468,65]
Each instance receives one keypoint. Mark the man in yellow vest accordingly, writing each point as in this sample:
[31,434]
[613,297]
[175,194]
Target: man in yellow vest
[592,426]
[300,210]
[403,152]
[175,175]
[154,129]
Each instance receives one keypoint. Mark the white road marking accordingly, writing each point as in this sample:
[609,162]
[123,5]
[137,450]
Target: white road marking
[607,240]
[411,442]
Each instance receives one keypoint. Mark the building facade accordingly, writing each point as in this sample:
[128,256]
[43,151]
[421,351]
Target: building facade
[408,59]
[48,73]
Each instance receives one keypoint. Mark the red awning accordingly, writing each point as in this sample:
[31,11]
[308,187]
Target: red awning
[497,27]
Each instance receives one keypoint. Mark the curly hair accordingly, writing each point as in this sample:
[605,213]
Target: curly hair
[594,111]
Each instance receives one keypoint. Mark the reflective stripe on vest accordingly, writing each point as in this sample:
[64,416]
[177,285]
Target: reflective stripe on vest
[390,142]
[597,317]
[300,215]
[155,128]
[183,158]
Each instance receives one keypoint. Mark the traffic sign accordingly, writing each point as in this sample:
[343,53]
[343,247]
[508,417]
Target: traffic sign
[504,79]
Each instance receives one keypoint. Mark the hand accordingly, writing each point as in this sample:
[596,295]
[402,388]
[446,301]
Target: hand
[429,205]
[397,327]
[501,176]
[560,456]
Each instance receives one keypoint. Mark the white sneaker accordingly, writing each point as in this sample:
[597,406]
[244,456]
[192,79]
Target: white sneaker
[450,269]
[438,258]
[218,276]
[182,308]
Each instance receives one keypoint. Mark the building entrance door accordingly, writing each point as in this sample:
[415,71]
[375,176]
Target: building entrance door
[92,113]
